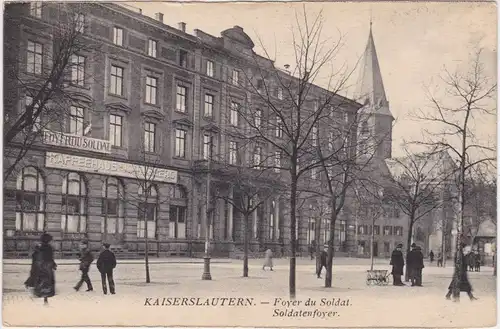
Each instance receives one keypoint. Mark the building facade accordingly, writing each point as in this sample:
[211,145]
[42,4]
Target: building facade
[151,112]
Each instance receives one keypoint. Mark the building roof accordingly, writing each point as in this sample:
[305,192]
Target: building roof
[431,165]
[370,87]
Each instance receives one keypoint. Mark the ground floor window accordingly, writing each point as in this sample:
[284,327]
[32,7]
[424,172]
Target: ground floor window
[387,247]
[112,207]
[311,231]
[30,201]
[74,204]
[147,214]
[326,230]
[177,223]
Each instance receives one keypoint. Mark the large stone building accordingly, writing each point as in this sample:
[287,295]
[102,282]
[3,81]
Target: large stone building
[155,99]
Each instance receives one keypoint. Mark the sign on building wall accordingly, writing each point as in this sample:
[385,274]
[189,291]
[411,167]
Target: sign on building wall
[107,167]
[76,141]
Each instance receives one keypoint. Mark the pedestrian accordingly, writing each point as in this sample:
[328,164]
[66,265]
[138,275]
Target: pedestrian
[470,261]
[419,266]
[45,283]
[440,260]
[431,256]
[105,264]
[463,284]
[312,249]
[398,263]
[30,282]
[477,262]
[86,258]
[268,260]
[322,261]
[411,264]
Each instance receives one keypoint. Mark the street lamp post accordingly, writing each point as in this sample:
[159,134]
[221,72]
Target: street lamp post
[206,259]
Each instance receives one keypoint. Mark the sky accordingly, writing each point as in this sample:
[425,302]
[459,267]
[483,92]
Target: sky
[414,42]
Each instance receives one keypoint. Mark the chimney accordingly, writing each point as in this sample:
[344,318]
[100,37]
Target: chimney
[182,26]
[159,17]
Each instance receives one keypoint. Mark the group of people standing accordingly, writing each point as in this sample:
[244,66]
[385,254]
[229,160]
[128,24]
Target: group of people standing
[415,265]
[42,274]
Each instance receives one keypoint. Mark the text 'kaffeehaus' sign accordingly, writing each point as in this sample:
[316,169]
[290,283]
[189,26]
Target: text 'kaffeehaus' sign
[75,141]
[110,168]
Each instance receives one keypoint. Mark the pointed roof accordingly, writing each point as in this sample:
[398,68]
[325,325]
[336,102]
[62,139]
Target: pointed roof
[370,86]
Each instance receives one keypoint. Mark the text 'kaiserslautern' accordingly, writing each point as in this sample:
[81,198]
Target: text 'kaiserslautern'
[197,301]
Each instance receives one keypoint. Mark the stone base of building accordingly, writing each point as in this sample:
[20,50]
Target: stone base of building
[22,247]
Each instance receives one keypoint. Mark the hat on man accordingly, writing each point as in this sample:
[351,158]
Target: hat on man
[106,245]
[400,245]
[46,238]
[413,245]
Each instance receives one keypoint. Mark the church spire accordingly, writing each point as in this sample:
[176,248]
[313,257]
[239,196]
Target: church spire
[370,87]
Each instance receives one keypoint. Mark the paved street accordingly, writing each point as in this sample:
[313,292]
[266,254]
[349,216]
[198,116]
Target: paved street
[134,303]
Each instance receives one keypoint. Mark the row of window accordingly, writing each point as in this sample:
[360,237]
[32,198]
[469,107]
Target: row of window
[30,206]
[391,212]
[152,45]
[387,230]
[77,126]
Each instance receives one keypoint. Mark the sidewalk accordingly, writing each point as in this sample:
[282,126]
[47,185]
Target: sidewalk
[183,260]
[386,306]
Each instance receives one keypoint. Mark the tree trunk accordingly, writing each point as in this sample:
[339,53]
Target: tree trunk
[495,264]
[318,242]
[146,242]
[245,245]
[408,243]
[293,223]
[329,258]
[148,279]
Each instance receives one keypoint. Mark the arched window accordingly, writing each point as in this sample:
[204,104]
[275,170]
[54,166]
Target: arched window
[147,212]
[30,201]
[113,209]
[178,207]
[74,204]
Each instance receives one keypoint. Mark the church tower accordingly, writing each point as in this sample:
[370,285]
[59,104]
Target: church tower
[376,118]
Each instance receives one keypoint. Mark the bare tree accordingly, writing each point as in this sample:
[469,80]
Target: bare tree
[293,106]
[254,186]
[480,201]
[46,76]
[343,159]
[416,183]
[468,95]
[146,201]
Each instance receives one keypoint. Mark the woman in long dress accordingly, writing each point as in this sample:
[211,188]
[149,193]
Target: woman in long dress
[268,260]
[45,283]
[30,282]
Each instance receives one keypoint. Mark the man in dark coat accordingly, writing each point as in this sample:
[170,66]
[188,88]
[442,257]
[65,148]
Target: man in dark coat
[322,262]
[463,284]
[477,262]
[86,258]
[105,264]
[397,262]
[440,260]
[419,265]
[45,283]
[431,256]
[411,264]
